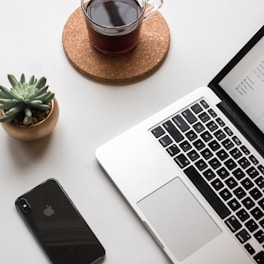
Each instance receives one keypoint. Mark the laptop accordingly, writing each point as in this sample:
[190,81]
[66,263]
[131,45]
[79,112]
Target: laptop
[193,172]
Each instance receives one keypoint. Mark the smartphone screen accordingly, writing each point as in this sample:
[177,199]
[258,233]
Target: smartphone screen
[58,226]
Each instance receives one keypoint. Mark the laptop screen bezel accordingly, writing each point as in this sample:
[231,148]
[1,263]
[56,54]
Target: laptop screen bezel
[248,127]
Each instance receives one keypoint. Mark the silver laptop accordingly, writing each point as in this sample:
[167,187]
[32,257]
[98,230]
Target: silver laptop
[193,172]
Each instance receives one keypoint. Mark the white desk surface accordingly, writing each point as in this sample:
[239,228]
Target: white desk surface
[205,34]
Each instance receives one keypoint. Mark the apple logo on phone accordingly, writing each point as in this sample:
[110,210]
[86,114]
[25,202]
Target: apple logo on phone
[48,211]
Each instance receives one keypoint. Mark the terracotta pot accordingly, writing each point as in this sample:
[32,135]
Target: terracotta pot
[36,131]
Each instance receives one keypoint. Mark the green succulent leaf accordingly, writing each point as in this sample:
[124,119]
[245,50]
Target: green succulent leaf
[32,80]
[6,104]
[12,79]
[22,78]
[41,82]
[10,115]
[28,117]
[43,107]
[5,93]
[39,92]
[45,98]
[24,96]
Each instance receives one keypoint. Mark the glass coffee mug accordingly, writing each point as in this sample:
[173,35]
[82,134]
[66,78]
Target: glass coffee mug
[114,25]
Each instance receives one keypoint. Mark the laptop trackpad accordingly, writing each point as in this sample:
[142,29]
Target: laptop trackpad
[178,218]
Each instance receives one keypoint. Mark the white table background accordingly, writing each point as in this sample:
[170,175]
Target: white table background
[205,34]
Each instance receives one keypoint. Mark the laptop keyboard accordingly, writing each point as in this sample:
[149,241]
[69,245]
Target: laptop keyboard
[222,168]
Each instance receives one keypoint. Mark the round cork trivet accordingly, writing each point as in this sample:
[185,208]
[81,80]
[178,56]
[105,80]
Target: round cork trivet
[148,55]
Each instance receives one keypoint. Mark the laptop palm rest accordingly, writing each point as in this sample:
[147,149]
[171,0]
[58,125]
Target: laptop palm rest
[178,218]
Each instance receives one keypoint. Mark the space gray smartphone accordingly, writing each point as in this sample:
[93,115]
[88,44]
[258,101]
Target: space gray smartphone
[58,226]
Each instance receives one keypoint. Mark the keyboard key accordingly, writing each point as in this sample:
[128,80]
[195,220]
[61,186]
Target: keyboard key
[204,104]
[239,192]
[228,131]
[261,223]
[244,163]
[165,141]
[185,146]
[191,135]
[212,126]
[257,213]
[242,215]
[234,204]
[173,131]
[247,183]
[243,236]
[245,150]
[253,159]
[201,165]
[209,174]
[259,236]
[220,208]
[181,124]
[225,194]
[206,136]
[182,161]
[236,153]
[239,174]
[233,224]
[220,135]
[261,203]
[213,114]
[260,182]
[214,163]
[231,183]
[248,202]
[204,117]
[259,258]
[193,155]
[249,249]
[217,184]
[223,173]
[173,150]
[252,172]
[256,193]
[236,140]
[207,154]
[189,116]
[158,131]
[197,108]
[198,127]
[261,168]
[228,144]
[220,122]
[198,144]
[230,164]
[251,225]
[222,154]
[214,145]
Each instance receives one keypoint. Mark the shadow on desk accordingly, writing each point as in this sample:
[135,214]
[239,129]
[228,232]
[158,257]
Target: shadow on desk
[25,154]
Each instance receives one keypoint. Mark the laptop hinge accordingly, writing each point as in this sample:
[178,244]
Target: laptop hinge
[254,138]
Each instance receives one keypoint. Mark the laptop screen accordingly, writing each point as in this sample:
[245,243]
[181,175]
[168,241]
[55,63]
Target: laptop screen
[245,84]
[240,85]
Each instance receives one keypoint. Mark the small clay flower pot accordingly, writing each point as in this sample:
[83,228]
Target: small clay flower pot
[35,131]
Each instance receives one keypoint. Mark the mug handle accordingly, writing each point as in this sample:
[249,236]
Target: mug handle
[152,7]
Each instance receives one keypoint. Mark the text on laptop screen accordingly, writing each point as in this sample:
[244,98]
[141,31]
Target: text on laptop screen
[245,84]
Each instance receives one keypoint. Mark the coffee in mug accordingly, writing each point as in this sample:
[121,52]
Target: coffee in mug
[114,25]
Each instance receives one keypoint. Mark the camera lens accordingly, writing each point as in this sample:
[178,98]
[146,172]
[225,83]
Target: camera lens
[24,205]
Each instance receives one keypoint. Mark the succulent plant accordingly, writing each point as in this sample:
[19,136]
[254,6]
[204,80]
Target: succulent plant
[23,97]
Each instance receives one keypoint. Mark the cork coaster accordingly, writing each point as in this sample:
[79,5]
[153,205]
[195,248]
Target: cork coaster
[148,55]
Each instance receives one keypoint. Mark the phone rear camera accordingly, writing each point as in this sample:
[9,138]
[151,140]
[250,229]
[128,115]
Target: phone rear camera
[24,205]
